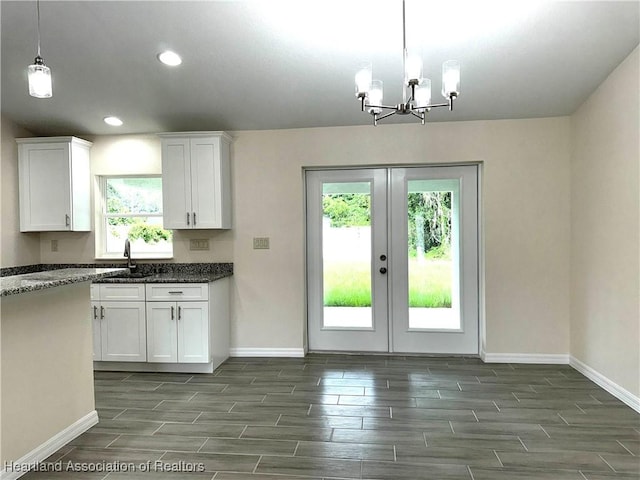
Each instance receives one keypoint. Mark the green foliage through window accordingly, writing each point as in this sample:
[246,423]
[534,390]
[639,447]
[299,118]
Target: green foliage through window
[133,209]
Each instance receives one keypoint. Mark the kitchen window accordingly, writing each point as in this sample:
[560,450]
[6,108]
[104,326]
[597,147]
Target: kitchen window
[132,208]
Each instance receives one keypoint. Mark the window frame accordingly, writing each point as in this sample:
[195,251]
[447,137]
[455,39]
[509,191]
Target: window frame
[102,217]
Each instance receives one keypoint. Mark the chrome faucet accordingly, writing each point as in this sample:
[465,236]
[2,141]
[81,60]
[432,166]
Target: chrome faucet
[127,254]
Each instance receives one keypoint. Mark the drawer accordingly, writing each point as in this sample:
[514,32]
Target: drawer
[177,291]
[122,291]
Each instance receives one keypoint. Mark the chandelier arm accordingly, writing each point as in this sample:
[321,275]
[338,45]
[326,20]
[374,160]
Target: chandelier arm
[381,117]
[436,105]
[388,107]
[420,116]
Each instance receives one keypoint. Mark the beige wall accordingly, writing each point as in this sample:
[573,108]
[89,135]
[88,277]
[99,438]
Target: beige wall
[526,221]
[47,368]
[605,228]
[16,248]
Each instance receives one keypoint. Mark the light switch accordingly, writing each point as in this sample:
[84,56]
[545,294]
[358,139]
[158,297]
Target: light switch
[260,243]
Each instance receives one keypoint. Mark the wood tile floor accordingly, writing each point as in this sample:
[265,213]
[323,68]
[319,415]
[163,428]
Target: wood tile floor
[357,417]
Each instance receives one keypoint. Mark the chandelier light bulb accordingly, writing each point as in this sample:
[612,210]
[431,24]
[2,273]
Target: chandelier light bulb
[363,80]
[423,94]
[450,78]
[375,96]
[413,68]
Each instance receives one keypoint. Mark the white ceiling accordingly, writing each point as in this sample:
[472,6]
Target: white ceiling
[291,63]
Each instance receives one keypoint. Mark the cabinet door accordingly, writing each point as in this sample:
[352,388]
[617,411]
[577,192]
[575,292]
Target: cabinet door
[123,333]
[176,183]
[208,182]
[45,187]
[95,322]
[193,332]
[162,332]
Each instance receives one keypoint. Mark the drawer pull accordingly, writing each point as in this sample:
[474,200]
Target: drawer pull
[180,292]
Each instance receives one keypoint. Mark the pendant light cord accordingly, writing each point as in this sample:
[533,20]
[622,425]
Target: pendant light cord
[404,50]
[38,10]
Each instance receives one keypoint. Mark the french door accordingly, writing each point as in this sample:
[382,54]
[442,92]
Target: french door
[392,259]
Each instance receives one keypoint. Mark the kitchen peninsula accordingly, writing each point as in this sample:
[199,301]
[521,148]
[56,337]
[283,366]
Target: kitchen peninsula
[46,359]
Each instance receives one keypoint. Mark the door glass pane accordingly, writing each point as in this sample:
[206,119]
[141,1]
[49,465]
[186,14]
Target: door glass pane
[432,207]
[346,255]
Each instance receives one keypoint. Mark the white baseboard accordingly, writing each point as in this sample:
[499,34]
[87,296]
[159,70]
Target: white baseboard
[540,358]
[154,367]
[613,388]
[42,452]
[267,352]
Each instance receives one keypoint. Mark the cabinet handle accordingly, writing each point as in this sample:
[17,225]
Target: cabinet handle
[67,220]
[101,313]
[179,313]
[188,218]
[95,313]
[173,316]
[194,219]
[176,292]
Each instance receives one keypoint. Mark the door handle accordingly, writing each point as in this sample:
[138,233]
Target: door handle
[383,270]
[179,313]
[95,313]
[194,219]
[67,220]
[101,313]
[173,316]
[188,218]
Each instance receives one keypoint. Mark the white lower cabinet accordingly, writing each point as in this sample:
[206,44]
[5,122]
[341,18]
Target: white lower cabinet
[181,327]
[178,332]
[119,330]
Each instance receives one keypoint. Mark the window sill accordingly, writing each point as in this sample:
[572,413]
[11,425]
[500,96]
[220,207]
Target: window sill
[152,256]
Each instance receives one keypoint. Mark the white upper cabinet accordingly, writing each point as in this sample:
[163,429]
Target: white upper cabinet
[196,180]
[54,184]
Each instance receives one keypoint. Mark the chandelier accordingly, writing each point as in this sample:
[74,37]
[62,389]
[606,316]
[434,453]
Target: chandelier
[418,89]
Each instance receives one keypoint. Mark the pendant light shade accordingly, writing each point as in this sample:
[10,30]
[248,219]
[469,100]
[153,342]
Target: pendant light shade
[39,79]
[39,74]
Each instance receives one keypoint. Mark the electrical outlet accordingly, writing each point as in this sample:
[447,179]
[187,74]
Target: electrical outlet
[260,243]
[54,245]
[199,244]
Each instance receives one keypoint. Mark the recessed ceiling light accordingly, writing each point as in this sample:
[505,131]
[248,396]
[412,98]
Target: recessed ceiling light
[113,121]
[170,58]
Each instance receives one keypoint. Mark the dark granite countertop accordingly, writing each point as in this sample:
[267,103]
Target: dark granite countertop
[40,280]
[173,273]
[168,277]
[28,278]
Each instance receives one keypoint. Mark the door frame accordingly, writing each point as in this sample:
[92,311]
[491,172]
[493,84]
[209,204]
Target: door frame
[482,324]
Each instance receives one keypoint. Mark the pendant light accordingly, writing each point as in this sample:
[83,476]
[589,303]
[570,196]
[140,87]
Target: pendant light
[39,74]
